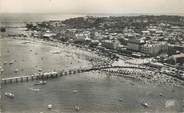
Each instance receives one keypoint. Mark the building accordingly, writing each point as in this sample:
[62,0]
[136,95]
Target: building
[159,33]
[49,35]
[155,64]
[110,44]
[146,33]
[154,49]
[83,35]
[178,58]
[96,35]
[135,44]
[152,30]
[123,40]
[179,48]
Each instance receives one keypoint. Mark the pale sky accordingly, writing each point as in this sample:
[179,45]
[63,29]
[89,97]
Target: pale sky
[92,6]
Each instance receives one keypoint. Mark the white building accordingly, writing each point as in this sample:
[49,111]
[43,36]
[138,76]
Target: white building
[135,44]
[154,48]
[145,33]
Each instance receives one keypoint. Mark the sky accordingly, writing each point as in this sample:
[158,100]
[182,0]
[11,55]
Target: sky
[93,6]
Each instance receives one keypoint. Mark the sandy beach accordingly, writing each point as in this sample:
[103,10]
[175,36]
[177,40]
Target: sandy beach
[96,91]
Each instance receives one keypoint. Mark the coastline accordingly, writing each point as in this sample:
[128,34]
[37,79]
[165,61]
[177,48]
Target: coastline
[156,78]
[138,89]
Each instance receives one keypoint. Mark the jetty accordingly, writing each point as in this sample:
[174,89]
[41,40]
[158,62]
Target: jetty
[51,75]
[39,76]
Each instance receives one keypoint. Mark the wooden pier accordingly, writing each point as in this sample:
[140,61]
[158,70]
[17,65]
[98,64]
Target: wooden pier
[48,75]
[40,76]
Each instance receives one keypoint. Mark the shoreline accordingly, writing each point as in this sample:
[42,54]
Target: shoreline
[139,77]
[96,87]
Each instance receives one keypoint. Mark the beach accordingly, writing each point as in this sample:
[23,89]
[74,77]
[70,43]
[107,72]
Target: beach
[97,91]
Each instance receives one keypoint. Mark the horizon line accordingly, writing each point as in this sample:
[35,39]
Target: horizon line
[102,14]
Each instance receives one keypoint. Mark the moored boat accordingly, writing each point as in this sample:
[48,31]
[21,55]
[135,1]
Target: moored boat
[10,95]
[42,82]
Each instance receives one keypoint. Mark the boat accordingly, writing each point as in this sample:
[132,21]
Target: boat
[56,52]
[145,104]
[40,70]
[76,108]
[35,89]
[75,91]
[12,61]
[49,106]
[10,95]
[16,70]
[42,82]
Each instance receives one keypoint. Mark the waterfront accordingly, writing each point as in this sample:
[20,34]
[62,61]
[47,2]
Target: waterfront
[96,91]
[108,90]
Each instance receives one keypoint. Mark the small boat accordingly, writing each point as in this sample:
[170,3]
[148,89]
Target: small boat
[75,91]
[10,95]
[40,70]
[26,42]
[16,70]
[5,62]
[120,100]
[76,108]
[11,62]
[49,106]
[56,52]
[145,104]
[42,82]
[35,89]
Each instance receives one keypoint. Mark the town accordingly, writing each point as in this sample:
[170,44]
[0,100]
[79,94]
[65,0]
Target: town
[142,48]
[155,41]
